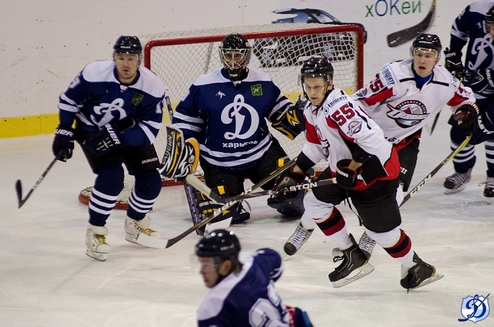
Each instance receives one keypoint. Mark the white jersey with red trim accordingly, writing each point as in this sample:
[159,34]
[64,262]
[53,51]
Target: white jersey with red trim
[335,129]
[395,103]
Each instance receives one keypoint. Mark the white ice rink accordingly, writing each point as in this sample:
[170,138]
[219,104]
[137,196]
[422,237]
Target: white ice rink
[47,280]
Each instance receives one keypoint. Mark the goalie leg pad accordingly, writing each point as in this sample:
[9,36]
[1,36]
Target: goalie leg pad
[180,157]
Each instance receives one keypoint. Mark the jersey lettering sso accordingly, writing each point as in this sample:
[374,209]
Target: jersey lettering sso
[229,120]
[96,97]
[470,27]
[338,127]
[248,298]
[394,102]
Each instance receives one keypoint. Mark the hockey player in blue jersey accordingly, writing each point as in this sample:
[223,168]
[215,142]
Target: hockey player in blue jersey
[473,25]
[116,106]
[242,291]
[227,111]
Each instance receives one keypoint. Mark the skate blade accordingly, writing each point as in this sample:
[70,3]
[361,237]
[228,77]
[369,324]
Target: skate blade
[454,191]
[361,272]
[96,256]
[432,279]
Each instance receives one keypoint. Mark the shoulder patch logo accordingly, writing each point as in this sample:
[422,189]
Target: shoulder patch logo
[256,90]
[137,98]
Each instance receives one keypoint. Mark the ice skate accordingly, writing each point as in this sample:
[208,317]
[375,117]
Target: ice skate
[354,266]
[456,182]
[488,189]
[298,238]
[419,275]
[97,248]
[135,227]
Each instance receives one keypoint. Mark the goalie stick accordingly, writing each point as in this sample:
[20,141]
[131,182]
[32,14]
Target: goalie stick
[435,170]
[400,37]
[18,184]
[157,243]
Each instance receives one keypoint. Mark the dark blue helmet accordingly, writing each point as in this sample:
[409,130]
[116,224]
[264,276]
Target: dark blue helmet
[128,44]
[427,41]
[317,67]
[219,243]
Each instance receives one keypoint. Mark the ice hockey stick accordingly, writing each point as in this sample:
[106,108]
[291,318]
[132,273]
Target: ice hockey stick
[18,184]
[400,37]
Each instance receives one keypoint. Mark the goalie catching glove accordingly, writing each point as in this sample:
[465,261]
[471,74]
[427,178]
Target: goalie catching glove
[290,122]
[181,157]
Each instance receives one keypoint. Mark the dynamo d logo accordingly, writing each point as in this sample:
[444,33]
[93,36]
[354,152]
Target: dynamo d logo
[474,308]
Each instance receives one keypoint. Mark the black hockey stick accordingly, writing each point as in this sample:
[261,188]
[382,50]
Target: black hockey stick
[400,37]
[18,184]
[152,242]
[435,170]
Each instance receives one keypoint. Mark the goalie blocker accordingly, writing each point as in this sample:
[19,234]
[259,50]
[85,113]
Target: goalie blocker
[290,122]
[181,157]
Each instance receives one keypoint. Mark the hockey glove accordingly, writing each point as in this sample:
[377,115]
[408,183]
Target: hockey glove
[453,63]
[466,117]
[104,141]
[287,179]
[480,80]
[63,143]
[346,177]
[291,121]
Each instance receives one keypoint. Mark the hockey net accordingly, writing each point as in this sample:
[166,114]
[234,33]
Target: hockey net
[178,58]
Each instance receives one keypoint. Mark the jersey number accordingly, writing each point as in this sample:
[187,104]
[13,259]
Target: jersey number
[376,84]
[343,114]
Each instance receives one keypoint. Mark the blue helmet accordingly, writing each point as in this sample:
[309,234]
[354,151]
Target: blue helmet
[219,243]
[128,44]
[317,67]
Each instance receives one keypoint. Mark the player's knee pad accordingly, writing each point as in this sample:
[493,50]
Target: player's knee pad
[386,239]
[316,208]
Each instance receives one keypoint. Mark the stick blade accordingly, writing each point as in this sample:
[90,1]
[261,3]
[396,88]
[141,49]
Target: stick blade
[18,189]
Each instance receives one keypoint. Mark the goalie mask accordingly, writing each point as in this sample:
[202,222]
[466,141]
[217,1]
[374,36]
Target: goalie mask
[235,52]
[427,42]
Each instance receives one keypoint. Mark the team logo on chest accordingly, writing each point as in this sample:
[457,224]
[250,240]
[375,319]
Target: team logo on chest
[108,112]
[238,114]
[408,113]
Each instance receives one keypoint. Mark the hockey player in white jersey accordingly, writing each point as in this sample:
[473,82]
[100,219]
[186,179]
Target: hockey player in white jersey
[401,99]
[227,111]
[366,167]
[475,26]
[116,106]
[242,291]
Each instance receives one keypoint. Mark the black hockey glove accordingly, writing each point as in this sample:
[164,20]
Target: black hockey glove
[287,179]
[346,177]
[63,143]
[104,140]
[466,117]
[453,63]
[480,80]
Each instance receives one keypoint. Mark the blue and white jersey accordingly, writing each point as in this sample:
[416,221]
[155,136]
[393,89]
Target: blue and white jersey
[96,97]
[469,27]
[247,298]
[229,119]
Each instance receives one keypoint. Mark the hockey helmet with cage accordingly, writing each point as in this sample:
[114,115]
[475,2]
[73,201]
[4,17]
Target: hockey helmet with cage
[128,44]
[317,67]
[429,42]
[235,52]
[219,243]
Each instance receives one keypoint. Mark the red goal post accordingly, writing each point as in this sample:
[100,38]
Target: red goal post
[178,58]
